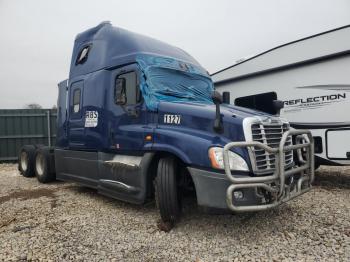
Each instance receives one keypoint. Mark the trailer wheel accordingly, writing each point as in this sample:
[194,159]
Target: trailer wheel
[166,190]
[44,165]
[26,161]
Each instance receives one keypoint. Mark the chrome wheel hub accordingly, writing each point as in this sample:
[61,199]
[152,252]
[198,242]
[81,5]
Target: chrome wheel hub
[40,164]
[24,161]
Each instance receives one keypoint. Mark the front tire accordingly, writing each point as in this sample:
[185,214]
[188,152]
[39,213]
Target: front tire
[44,165]
[167,194]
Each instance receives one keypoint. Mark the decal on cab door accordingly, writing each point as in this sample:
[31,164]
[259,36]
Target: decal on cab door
[91,118]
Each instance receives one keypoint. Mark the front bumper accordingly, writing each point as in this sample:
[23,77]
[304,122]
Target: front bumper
[217,190]
[211,189]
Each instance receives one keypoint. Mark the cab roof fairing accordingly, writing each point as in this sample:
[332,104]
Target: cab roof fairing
[112,46]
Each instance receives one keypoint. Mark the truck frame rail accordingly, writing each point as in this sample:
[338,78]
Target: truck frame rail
[275,184]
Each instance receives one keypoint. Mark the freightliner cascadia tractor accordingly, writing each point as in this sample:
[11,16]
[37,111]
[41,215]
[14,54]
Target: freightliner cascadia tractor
[139,120]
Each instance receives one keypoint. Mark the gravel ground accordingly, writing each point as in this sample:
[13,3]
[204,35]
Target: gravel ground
[62,221]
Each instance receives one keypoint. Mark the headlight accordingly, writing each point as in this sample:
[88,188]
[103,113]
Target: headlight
[217,159]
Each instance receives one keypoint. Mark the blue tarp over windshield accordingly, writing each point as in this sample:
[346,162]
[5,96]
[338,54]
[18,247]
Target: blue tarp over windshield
[166,79]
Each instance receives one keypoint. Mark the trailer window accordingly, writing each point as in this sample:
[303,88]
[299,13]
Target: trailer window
[76,100]
[129,89]
[262,102]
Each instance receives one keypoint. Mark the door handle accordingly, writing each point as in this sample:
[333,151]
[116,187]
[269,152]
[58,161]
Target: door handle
[111,133]
[132,112]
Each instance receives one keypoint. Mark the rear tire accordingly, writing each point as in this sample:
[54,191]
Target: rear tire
[166,190]
[44,165]
[26,161]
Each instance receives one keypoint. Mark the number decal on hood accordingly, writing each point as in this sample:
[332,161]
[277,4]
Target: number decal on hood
[172,119]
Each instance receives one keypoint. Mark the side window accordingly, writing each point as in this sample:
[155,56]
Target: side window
[126,91]
[76,100]
[83,55]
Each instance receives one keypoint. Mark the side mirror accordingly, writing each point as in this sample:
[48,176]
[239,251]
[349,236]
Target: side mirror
[120,92]
[277,105]
[226,97]
[217,97]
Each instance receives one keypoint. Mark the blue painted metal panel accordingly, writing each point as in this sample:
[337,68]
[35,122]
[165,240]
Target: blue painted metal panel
[112,46]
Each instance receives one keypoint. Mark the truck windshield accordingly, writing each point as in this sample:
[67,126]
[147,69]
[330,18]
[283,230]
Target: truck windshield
[165,84]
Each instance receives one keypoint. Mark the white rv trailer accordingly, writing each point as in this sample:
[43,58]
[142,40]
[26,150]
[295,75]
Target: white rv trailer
[312,77]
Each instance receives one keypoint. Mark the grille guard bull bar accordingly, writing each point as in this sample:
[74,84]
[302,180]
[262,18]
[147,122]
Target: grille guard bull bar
[281,191]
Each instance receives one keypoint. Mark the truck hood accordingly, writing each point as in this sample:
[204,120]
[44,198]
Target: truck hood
[200,118]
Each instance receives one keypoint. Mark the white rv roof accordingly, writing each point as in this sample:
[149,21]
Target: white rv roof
[312,48]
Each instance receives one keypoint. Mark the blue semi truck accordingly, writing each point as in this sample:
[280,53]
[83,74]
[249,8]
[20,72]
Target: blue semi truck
[139,119]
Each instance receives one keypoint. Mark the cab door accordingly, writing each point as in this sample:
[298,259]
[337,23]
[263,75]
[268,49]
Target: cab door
[76,119]
[127,114]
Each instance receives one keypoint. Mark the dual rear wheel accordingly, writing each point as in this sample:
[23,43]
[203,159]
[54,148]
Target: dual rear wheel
[37,161]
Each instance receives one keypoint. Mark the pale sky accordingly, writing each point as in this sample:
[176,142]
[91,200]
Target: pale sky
[37,35]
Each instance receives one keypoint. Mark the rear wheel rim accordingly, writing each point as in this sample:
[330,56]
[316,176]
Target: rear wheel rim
[40,164]
[24,161]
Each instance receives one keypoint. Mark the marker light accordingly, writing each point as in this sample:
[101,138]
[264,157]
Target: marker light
[148,138]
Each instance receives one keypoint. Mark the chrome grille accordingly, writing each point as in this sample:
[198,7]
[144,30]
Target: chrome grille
[270,135]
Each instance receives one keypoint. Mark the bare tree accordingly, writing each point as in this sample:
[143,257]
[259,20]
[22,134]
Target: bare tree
[33,106]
